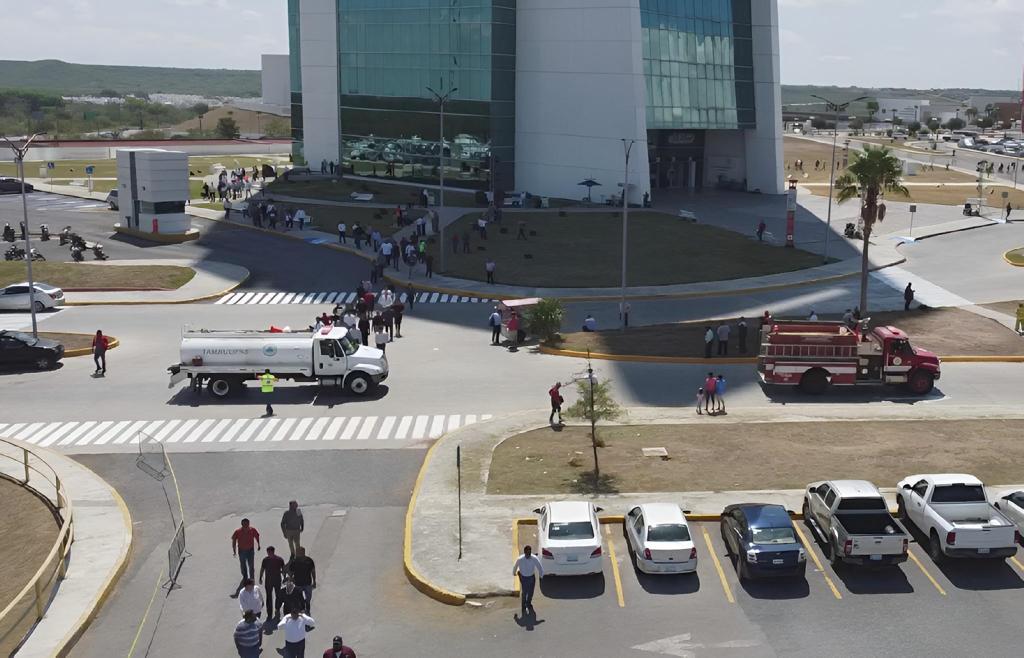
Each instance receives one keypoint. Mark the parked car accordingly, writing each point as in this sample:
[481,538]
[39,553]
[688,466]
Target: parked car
[21,349]
[13,186]
[659,539]
[1012,507]
[569,538]
[763,541]
[15,297]
[852,519]
[112,199]
[952,510]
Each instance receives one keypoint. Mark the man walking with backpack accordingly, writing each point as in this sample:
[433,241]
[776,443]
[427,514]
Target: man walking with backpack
[555,393]
[495,323]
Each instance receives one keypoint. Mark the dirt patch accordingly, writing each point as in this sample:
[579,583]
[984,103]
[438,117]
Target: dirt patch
[1009,308]
[722,456]
[931,329]
[98,276]
[71,341]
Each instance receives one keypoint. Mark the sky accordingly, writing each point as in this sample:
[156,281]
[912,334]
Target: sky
[871,43]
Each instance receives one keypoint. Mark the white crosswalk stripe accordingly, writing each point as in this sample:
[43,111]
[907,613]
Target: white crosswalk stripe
[313,298]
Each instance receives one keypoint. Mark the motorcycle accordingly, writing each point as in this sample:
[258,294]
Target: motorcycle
[97,252]
[44,232]
[14,253]
[36,255]
[76,254]
[65,236]
[853,232]
[8,233]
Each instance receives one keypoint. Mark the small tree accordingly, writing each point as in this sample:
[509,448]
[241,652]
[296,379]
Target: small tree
[818,123]
[985,122]
[856,123]
[956,123]
[199,109]
[545,319]
[872,109]
[227,128]
[594,402]
[277,127]
[915,126]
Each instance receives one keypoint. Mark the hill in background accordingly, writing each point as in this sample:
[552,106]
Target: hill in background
[59,77]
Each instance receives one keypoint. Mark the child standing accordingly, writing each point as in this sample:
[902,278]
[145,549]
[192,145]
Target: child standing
[700,401]
[720,393]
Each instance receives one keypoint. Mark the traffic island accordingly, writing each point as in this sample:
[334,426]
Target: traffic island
[1015,257]
[102,276]
[76,344]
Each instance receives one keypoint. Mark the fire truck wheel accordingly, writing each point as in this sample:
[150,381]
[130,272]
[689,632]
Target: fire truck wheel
[814,381]
[921,382]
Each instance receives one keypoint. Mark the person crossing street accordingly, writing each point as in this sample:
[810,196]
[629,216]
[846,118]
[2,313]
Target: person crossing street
[527,567]
[555,393]
[267,382]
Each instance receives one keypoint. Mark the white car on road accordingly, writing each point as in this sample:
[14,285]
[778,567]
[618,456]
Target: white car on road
[659,539]
[569,538]
[15,297]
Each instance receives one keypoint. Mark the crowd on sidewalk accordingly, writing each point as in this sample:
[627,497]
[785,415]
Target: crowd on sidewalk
[232,185]
[278,587]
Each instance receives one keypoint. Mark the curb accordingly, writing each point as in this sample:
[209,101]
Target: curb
[411,573]
[1006,257]
[191,300]
[85,351]
[966,358]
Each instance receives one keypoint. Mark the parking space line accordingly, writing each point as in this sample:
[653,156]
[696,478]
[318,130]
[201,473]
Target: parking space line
[718,566]
[925,572]
[615,566]
[817,562]
[1017,563]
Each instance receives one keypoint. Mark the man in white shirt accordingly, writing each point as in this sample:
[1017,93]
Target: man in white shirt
[300,218]
[341,232]
[386,297]
[495,323]
[250,598]
[294,628]
[590,324]
[527,567]
[813,317]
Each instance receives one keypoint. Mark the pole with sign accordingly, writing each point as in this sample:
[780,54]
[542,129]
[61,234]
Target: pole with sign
[913,209]
[89,169]
[458,467]
[790,212]
[49,171]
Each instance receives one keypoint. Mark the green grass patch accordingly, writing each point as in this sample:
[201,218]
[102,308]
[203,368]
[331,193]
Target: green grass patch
[96,275]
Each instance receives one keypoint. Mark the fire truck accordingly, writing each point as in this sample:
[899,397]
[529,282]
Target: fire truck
[816,354]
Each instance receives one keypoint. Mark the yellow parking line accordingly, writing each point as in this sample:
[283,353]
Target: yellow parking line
[718,567]
[1017,563]
[615,567]
[817,562]
[927,575]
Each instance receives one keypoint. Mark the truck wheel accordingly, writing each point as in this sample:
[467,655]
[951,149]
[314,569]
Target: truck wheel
[358,384]
[935,548]
[222,387]
[921,382]
[814,381]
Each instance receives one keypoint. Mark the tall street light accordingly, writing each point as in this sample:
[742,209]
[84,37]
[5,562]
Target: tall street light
[627,144]
[836,108]
[19,157]
[441,99]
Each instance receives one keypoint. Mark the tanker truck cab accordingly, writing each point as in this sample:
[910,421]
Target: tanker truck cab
[224,360]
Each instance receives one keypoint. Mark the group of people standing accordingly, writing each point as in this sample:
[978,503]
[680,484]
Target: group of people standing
[717,339]
[377,316]
[231,185]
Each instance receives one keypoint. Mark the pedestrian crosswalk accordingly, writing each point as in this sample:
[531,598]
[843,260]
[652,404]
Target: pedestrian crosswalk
[271,297]
[353,431]
[44,201]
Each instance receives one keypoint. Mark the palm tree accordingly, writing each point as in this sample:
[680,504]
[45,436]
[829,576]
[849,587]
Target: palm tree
[872,106]
[874,171]
[971,113]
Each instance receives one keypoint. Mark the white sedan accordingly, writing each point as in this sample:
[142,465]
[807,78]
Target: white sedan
[659,539]
[15,297]
[1012,506]
[569,538]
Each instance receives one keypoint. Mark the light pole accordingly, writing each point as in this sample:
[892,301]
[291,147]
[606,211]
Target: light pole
[19,157]
[627,144]
[441,100]
[836,109]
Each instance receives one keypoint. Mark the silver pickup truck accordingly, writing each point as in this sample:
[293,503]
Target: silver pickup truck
[851,518]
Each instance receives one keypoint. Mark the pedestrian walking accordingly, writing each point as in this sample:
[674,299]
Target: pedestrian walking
[250,598]
[291,598]
[709,341]
[100,345]
[303,571]
[388,314]
[267,382]
[513,332]
[249,636]
[429,261]
[295,626]
[386,249]
[710,385]
[421,250]
[435,222]
[489,270]
[292,525]
[494,322]
[341,233]
[527,567]
[555,393]
[271,570]
[380,339]
[399,313]
[700,401]
[1008,209]
[908,297]
[761,226]
[410,295]
[245,541]
[1019,324]
[624,309]
[723,339]
[481,226]
[364,329]
[387,298]
[339,650]
[465,242]
[521,232]
[300,218]
[720,393]
[741,334]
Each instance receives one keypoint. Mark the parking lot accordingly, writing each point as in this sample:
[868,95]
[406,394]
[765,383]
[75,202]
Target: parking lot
[938,608]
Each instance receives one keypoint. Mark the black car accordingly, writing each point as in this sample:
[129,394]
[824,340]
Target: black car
[13,186]
[763,541]
[21,349]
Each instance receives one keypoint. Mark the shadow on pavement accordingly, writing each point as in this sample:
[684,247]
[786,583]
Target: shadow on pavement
[529,621]
[668,584]
[776,588]
[981,575]
[310,395]
[865,580]
[572,587]
[849,395]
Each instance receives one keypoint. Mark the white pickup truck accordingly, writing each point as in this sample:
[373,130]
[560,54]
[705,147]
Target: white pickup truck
[953,511]
[852,519]
[225,360]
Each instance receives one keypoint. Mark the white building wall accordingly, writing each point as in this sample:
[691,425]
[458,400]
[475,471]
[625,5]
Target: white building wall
[724,156]
[275,76]
[318,24]
[579,91]
[764,144]
[159,176]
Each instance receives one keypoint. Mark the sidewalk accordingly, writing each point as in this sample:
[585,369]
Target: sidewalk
[485,567]
[212,279]
[103,539]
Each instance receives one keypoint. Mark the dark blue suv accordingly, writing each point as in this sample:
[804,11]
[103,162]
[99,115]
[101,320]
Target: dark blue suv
[763,540]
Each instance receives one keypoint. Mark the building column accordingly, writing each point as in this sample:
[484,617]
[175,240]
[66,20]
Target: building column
[764,143]
[321,125]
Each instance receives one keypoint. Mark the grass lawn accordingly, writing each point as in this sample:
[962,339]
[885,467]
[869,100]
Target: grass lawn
[929,329]
[341,190]
[583,249]
[96,275]
[702,455]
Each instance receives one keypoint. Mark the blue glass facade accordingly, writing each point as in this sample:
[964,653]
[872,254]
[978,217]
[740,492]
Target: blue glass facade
[698,64]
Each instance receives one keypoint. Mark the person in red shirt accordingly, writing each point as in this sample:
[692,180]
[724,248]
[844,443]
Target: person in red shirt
[100,345]
[513,331]
[339,650]
[709,392]
[555,392]
[245,541]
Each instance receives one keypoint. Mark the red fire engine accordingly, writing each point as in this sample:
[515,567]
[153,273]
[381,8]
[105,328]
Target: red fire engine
[814,354]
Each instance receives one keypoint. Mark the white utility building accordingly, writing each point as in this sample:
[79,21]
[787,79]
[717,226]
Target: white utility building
[152,189]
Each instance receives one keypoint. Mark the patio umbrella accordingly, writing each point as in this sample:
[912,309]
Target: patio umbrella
[591,184]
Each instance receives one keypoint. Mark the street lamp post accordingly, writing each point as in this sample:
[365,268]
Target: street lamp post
[441,100]
[836,109]
[627,144]
[19,157]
